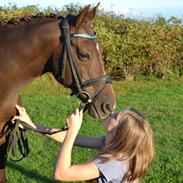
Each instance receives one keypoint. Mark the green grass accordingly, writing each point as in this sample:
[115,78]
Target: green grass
[49,104]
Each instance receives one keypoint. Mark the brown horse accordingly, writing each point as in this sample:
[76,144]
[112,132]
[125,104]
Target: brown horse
[66,47]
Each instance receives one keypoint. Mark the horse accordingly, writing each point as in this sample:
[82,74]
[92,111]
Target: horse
[68,48]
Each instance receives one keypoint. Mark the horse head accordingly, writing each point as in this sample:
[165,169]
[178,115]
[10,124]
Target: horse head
[81,64]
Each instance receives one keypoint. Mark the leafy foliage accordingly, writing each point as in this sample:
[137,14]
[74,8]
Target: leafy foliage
[131,46]
[145,47]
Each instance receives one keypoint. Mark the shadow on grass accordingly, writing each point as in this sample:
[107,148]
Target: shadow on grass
[30,174]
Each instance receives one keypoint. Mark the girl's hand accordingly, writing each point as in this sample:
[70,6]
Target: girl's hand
[23,116]
[75,120]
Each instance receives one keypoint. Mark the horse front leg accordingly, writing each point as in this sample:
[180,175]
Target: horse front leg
[4,145]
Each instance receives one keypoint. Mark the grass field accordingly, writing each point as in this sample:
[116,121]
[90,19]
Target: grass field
[49,104]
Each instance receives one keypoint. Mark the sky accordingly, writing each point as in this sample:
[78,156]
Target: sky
[136,8]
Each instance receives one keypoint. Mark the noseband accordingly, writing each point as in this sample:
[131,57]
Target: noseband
[79,84]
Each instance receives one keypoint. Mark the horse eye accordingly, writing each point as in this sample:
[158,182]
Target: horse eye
[83,56]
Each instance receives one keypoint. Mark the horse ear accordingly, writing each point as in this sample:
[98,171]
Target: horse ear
[82,16]
[92,14]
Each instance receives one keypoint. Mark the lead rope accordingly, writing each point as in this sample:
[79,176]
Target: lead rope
[18,139]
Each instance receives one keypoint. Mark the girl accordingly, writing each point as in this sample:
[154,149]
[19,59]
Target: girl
[126,149]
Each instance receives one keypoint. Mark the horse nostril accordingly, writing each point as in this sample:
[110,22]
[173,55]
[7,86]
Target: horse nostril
[107,108]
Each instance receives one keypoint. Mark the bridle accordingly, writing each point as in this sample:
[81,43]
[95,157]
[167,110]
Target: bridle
[67,54]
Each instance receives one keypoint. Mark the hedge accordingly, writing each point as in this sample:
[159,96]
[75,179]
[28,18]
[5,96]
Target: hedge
[132,47]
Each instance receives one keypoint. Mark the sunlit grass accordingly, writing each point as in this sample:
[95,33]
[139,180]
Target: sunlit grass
[49,104]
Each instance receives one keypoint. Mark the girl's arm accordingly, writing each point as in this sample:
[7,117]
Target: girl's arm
[82,141]
[64,170]
[90,142]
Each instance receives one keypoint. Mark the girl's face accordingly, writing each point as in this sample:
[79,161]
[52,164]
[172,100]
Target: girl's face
[110,123]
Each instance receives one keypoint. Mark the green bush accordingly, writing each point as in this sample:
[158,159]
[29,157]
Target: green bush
[141,46]
[131,46]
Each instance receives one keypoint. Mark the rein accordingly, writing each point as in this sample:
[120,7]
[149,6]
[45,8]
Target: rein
[18,140]
[17,137]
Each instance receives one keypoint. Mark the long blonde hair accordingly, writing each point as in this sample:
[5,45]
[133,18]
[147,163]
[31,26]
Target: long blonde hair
[133,142]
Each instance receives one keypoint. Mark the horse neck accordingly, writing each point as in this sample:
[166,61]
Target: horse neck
[25,55]
[28,54]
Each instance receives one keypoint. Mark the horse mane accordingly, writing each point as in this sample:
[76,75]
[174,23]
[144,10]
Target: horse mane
[31,18]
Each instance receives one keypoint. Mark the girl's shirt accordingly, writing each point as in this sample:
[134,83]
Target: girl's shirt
[112,171]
